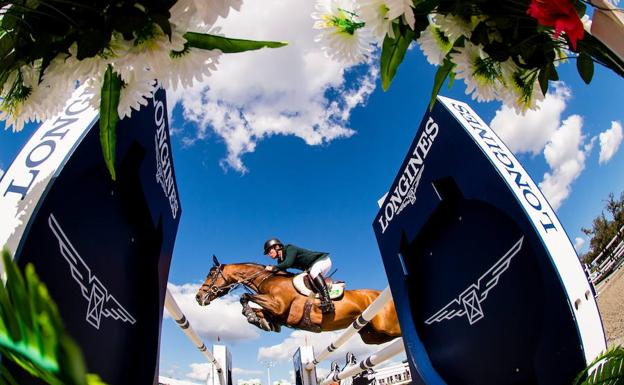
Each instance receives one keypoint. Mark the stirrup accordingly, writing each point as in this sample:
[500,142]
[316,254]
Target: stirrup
[327,307]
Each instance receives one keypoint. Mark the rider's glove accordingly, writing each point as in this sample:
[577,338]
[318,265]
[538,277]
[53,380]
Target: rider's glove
[270,268]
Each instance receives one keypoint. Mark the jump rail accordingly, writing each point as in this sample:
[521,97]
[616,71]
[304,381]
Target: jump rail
[174,310]
[361,321]
[384,354]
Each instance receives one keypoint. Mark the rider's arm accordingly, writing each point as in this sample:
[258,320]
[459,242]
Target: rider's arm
[289,258]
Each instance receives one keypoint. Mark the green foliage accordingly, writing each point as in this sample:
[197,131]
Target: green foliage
[227,45]
[606,369]
[505,32]
[32,333]
[34,32]
[443,72]
[603,229]
[42,29]
[111,88]
[585,67]
[393,52]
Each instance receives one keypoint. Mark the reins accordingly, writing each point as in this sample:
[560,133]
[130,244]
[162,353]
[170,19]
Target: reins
[232,286]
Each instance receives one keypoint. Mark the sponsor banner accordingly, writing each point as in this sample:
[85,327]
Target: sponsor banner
[545,222]
[102,247]
[477,262]
[26,180]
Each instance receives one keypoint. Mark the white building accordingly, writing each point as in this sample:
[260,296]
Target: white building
[391,375]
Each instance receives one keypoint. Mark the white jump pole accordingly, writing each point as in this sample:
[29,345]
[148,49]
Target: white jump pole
[384,354]
[174,310]
[371,311]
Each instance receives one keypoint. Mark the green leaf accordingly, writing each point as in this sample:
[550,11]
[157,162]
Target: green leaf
[393,52]
[607,368]
[72,361]
[226,44]
[585,66]
[543,79]
[162,19]
[90,42]
[49,353]
[109,117]
[440,77]
[601,53]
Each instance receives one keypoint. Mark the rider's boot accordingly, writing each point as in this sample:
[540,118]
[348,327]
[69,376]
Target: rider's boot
[327,306]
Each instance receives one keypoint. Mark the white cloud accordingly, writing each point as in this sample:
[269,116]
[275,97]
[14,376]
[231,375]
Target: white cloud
[199,371]
[562,143]
[531,132]
[610,141]
[579,243]
[565,153]
[241,371]
[284,351]
[222,318]
[258,94]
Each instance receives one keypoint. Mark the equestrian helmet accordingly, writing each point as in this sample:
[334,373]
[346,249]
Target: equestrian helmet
[270,243]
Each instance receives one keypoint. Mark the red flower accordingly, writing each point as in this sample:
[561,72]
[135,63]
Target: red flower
[560,14]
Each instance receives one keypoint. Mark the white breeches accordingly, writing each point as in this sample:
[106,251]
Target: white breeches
[322,266]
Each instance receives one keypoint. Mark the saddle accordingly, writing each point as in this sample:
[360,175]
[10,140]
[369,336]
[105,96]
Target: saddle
[304,286]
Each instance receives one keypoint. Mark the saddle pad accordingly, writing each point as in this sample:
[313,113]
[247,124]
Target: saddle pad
[336,289]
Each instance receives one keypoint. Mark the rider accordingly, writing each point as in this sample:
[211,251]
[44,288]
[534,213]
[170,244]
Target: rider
[317,263]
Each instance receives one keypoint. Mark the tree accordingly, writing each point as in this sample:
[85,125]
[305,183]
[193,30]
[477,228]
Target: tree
[603,229]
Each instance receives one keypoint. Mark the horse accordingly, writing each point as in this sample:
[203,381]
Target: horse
[282,305]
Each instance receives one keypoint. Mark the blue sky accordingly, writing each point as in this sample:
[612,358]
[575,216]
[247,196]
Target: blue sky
[287,143]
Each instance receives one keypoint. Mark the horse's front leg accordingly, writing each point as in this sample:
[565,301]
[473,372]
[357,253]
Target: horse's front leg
[255,317]
[265,316]
[248,312]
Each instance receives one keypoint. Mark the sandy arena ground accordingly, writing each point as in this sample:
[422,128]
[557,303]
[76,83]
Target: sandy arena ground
[611,305]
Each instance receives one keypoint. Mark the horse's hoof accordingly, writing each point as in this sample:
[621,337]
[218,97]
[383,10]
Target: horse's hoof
[264,325]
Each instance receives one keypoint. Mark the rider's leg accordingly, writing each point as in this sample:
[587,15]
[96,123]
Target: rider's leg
[317,272]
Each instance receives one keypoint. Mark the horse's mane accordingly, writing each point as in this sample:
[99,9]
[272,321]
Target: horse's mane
[260,265]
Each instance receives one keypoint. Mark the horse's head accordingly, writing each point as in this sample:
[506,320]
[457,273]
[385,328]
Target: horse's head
[215,285]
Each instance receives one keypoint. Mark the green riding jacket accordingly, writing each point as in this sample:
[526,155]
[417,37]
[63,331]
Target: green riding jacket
[299,258]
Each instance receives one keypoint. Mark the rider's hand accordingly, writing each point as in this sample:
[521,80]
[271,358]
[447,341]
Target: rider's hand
[270,268]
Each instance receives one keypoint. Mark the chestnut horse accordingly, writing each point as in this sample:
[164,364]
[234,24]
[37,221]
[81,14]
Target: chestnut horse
[282,304]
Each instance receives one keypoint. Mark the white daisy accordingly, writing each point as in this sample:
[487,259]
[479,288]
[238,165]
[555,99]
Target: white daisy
[521,89]
[209,10]
[480,73]
[135,94]
[182,13]
[149,58]
[17,105]
[455,27]
[54,90]
[85,69]
[189,66]
[379,15]
[434,44]
[341,31]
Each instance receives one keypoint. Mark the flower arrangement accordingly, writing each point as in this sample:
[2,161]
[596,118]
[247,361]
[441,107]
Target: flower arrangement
[120,51]
[505,50]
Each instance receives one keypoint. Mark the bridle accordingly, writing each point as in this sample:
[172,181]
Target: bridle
[211,287]
[218,291]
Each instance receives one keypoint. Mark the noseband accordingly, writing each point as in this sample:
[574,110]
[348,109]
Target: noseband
[211,287]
